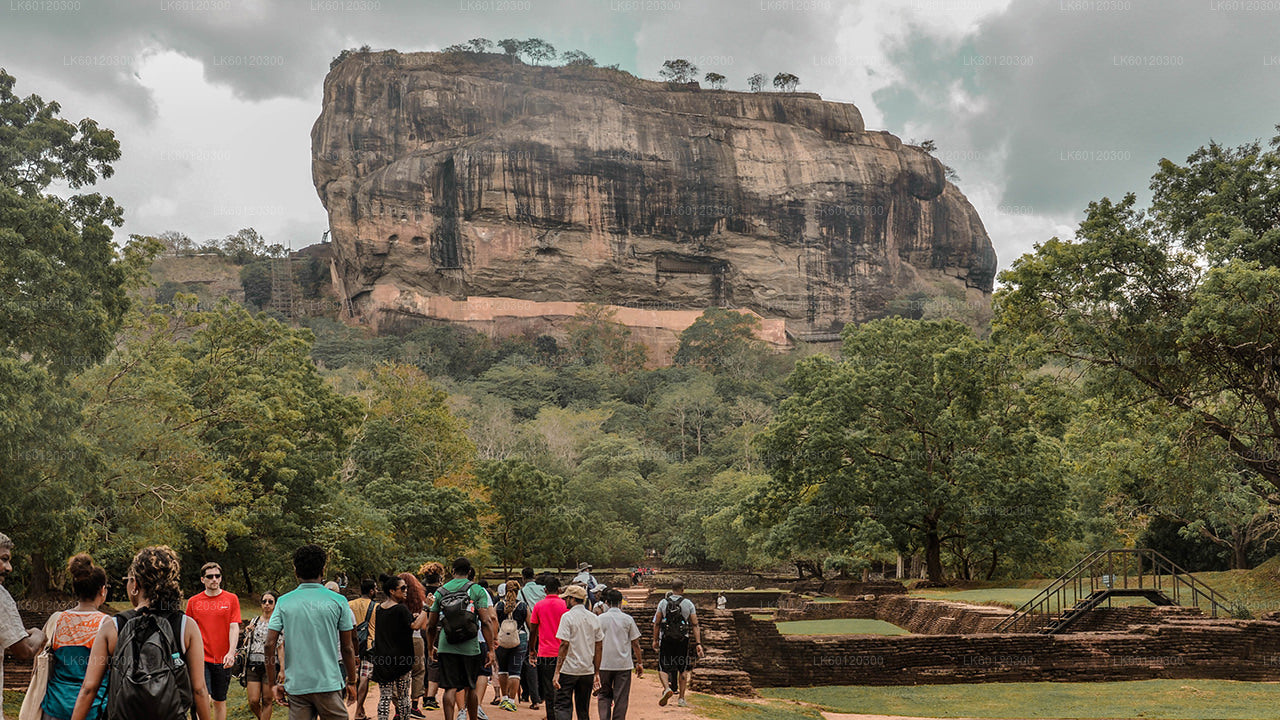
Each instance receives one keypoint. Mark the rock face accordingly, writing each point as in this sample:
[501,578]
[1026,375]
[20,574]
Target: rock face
[452,179]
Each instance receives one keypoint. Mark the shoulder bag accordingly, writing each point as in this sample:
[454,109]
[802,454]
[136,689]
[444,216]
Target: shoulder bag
[39,674]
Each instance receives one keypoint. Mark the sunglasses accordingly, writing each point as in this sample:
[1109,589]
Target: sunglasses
[268,601]
[212,577]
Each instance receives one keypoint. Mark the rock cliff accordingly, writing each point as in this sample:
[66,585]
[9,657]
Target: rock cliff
[470,189]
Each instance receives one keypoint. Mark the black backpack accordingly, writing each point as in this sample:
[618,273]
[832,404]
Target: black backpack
[149,675]
[362,632]
[674,624]
[458,615]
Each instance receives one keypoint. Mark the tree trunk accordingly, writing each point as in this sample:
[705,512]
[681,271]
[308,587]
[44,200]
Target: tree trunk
[933,556]
[995,558]
[40,580]
[248,582]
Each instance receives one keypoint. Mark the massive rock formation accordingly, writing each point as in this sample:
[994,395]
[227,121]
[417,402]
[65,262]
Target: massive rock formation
[471,189]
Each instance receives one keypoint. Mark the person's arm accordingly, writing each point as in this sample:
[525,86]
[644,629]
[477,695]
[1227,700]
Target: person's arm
[657,626]
[697,631]
[270,671]
[564,651]
[433,632]
[599,654]
[233,637]
[349,661]
[99,658]
[195,666]
[636,654]
[488,625]
[420,621]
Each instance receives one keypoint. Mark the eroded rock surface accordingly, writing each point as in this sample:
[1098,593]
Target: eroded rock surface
[456,177]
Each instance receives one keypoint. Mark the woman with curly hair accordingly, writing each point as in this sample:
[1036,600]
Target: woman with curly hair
[414,600]
[393,646]
[154,592]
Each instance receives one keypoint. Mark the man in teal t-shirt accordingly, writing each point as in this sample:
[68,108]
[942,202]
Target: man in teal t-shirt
[461,662]
[317,622]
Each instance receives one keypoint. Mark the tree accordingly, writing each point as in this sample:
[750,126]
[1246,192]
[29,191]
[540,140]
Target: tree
[511,47]
[244,246]
[255,279]
[678,71]
[479,45]
[1174,306]
[538,50]
[715,80]
[528,514]
[595,337]
[756,83]
[63,295]
[720,340]
[577,58]
[786,82]
[922,430]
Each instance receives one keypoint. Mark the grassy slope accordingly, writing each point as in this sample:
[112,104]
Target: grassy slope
[1169,699]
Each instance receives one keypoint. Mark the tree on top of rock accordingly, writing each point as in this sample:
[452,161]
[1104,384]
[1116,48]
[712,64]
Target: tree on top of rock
[678,71]
[479,45]
[785,82]
[715,80]
[538,50]
[719,340]
[577,58]
[756,82]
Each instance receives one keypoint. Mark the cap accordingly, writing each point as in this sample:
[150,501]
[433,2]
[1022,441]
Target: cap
[575,591]
[584,566]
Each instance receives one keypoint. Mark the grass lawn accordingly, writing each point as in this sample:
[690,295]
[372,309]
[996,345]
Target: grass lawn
[1166,699]
[237,704]
[1010,597]
[843,626]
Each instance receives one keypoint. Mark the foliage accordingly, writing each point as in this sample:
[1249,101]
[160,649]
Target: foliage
[715,80]
[529,517]
[678,71]
[720,340]
[595,337]
[577,58]
[786,82]
[537,50]
[1174,306]
[755,83]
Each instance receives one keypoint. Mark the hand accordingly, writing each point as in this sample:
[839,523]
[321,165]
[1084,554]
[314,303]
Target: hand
[277,691]
[555,681]
[655,646]
[351,694]
[491,660]
[595,686]
[639,671]
[230,659]
[700,651]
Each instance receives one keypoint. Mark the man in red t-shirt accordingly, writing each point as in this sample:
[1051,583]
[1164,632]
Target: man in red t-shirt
[217,612]
[544,623]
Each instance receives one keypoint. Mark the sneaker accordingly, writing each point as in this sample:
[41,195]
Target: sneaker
[430,704]
[666,695]
[682,703]
[416,713]
[509,705]
[462,714]
[480,712]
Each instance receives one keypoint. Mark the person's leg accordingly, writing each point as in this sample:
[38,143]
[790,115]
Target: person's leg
[403,691]
[564,699]
[362,688]
[546,676]
[385,693]
[253,693]
[473,704]
[621,690]
[582,686]
[433,685]
[419,682]
[448,703]
[531,683]
[604,699]
[684,682]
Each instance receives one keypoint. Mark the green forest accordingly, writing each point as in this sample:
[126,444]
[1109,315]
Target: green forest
[1126,394]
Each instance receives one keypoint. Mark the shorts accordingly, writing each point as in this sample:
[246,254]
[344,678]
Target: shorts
[366,668]
[433,671]
[217,679]
[511,660]
[323,705]
[255,672]
[459,672]
[674,656]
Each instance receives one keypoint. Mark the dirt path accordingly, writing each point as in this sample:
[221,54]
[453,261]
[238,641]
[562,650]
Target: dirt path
[645,693]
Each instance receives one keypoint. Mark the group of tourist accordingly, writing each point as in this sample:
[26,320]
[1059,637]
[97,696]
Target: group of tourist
[317,652]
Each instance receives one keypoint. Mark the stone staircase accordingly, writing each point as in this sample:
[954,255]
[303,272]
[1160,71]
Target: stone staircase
[720,671]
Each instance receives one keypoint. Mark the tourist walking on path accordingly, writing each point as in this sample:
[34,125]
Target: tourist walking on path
[260,703]
[318,624]
[362,611]
[154,630]
[544,623]
[513,645]
[460,614]
[393,656]
[432,574]
[580,637]
[530,595]
[588,581]
[71,637]
[676,636]
[217,612]
[416,600]
[619,654]
[24,643]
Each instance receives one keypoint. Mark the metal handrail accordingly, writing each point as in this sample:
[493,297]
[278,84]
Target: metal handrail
[1072,584]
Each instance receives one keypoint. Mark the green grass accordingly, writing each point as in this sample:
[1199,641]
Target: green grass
[1011,597]
[237,704]
[726,708]
[841,626]
[1165,699]
[12,703]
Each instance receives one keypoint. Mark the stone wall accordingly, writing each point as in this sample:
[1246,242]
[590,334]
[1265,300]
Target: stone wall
[1227,649]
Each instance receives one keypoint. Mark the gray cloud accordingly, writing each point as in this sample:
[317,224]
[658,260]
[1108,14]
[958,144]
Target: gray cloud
[1078,99]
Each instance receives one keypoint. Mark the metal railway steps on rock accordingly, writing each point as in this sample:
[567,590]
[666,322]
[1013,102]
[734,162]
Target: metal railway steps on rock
[1102,576]
[720,670]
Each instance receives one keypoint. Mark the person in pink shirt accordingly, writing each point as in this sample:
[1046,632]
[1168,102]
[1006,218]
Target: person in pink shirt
[544,623]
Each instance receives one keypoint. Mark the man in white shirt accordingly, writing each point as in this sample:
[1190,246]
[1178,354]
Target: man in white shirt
[619,652]
[23,643]
[580,639]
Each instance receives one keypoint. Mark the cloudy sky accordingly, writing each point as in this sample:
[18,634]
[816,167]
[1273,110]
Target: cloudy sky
[1040,105]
